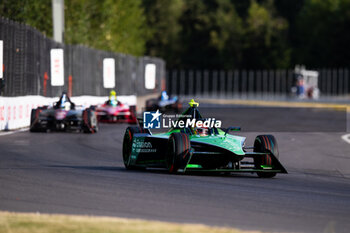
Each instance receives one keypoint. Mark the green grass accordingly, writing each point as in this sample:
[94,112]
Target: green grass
[47,223]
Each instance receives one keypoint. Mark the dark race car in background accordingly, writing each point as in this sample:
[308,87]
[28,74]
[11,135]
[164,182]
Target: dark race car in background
[58,119]
[164,103]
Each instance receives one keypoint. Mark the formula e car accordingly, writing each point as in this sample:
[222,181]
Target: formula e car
[119,112]
[63,116]
[164,103]
[200,149]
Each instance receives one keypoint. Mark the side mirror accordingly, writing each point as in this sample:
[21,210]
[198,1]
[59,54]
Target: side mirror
[233,128]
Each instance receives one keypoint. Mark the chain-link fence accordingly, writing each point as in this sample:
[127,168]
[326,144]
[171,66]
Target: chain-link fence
[266,84]
[26,58]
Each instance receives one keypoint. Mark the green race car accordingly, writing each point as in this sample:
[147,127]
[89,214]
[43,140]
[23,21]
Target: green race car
[200,149]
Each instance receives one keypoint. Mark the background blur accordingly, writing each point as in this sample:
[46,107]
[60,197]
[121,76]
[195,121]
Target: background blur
[204,34]
[207,48]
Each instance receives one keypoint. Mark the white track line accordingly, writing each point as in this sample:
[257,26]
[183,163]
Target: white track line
[12,132]
[346,138]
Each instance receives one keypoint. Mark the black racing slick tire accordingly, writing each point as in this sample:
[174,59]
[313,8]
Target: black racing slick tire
[265,143]
[90,124]
[34,118]
[178,152]
[127,145]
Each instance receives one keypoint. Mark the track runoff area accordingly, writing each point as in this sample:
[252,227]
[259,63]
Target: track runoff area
[79,174]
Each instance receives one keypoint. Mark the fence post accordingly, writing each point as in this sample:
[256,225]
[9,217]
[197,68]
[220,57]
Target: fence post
[290,80]
[244,80]
[190,82]
[258,84]
[229,91]
[335,79]
[329,81]
[283,83]
[251,85]
[271,83]
[70,86]
[341,82]
[174,82]
[265,83]
[346,81]
[46,78]
[278,84]
[222,83]
[206,84]
[214,91]
[182,83]
[236,84]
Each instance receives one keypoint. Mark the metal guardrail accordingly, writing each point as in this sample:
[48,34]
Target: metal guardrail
[257,84]
[26,59]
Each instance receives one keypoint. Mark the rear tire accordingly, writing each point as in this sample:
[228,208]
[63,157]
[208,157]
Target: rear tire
[90,124]
[265,143]
[178,152]
[34,125]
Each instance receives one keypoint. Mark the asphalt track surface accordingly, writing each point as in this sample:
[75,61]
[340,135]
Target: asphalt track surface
[73,173]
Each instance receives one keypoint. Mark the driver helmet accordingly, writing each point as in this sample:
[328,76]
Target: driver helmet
[113,98]
[164,96]
[203,131]
[64,100]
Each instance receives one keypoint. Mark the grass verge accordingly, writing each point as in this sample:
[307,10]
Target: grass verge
[40,223]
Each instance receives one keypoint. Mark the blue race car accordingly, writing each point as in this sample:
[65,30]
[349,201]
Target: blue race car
[164,103]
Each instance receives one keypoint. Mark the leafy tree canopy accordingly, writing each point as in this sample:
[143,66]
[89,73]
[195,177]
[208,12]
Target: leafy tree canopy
[205,34]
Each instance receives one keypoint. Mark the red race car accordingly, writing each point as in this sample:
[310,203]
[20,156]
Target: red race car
[113,113]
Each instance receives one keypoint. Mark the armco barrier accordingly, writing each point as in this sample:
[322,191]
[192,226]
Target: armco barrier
[15,111]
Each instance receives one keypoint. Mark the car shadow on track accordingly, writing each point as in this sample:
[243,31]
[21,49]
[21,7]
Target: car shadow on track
[156,171]
[95,168]
[210,174]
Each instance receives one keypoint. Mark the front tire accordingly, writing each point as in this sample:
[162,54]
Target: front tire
[265,143]
[127,146]
[178,152]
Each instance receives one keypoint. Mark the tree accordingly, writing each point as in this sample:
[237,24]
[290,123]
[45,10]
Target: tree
[164,29]
[265,38]
[36,13]
[195,36]
[226,35]
[323,33]
[114,25]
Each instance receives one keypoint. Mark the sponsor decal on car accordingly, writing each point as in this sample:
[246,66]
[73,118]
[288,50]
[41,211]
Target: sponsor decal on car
[157,120]
[139,146]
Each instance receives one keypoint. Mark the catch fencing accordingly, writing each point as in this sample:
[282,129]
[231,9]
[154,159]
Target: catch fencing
[26,66]
[258,84]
